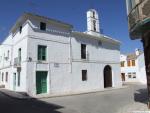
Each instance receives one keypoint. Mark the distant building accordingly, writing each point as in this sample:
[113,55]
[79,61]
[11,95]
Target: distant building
[43,56]
[133,67]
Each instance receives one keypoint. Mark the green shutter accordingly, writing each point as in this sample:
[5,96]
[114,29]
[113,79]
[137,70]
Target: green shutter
[42,52]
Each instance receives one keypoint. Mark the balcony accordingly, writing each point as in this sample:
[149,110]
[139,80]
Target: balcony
[138,17]
[17,62]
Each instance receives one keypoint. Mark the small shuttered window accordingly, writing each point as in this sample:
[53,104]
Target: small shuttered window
[122,63]
[133,62]
[129,63]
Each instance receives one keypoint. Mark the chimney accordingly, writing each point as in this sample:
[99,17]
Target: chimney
[137,52]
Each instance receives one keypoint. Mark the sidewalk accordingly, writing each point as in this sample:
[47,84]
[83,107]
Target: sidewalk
[15,95]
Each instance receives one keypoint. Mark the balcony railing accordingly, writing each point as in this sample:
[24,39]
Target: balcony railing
[17,62]
[139,13]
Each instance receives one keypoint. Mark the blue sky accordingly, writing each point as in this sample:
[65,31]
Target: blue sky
[112,15]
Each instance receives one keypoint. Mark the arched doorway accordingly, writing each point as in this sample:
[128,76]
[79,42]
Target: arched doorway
[107,76]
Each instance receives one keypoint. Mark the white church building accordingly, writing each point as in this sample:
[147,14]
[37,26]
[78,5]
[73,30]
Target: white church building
[43,56]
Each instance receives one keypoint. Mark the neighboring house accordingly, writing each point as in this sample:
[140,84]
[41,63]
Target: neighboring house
[133,67]
[45,56]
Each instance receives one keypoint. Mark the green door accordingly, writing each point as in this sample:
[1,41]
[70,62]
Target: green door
[41,82]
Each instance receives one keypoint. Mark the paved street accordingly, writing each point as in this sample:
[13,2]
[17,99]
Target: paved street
[105,102]
[115,101]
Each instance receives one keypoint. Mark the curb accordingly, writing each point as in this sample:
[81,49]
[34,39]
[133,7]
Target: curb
[81,93]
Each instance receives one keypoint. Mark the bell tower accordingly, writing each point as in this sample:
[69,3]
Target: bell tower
[92,22]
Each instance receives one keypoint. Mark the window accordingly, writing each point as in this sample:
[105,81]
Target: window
[83,51]
[20,29]
[84,75]
[18,78]
[42,52]
[42,26]
[134,74]
[6,79]
[19,55]
[129,75]
[133,62]
[129,63]
[122,63]
[94,25]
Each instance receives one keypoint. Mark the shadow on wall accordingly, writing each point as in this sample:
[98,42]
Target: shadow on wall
[27,106]
[141,96]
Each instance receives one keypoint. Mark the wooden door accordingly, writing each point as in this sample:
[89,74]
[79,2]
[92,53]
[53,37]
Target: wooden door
[123,76]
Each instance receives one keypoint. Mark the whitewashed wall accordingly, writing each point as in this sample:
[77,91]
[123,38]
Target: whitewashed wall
[141,69]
